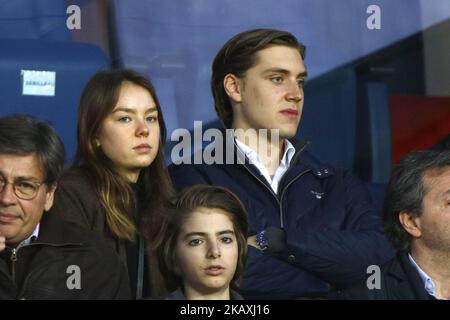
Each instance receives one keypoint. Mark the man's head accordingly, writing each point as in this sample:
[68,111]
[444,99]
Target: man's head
[417,207]
[31,161]
[257,81]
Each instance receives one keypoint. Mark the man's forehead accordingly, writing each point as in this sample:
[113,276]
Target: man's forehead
[21,166]
[280,57]
[437,178]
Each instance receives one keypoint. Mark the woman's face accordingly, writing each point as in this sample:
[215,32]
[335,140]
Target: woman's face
[129,135]
[207,252]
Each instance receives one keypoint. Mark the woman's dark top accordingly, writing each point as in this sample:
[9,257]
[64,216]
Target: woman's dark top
[76,201]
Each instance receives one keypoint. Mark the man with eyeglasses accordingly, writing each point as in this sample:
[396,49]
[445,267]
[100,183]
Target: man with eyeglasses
[42,257]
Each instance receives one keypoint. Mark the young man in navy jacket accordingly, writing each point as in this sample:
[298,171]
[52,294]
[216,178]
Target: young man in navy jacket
[312,227]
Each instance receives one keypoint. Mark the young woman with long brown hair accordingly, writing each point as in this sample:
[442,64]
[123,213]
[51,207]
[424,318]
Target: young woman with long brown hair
[118,176]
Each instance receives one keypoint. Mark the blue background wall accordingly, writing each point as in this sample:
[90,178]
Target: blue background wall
[173,42]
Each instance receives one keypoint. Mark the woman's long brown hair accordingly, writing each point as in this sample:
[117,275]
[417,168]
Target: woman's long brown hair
[114,191]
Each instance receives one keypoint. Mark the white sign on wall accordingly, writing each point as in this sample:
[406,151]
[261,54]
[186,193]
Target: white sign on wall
[38,83]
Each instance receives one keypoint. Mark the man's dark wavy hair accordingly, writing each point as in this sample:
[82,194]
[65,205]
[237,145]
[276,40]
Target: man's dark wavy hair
[24,134]
[407,190]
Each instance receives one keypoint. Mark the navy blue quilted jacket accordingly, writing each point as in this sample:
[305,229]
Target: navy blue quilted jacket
[333,231]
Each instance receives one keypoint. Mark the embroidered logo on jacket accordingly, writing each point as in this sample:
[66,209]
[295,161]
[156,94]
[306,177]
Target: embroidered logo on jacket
[318,195]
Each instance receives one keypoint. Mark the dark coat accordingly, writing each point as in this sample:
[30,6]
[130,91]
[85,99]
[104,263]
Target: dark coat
[43,269]
[333,231]
[76,201]
[399,281]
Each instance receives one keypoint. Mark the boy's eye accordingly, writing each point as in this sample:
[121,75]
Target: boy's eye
[195,242]
[276,79]
[152,119]
[301,83]
[227,240]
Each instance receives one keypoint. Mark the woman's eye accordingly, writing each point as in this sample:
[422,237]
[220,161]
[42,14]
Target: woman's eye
[277,79]
[125,119]
[195,242]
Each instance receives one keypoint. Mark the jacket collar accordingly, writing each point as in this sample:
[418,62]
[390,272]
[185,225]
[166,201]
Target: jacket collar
[53,231]
[301,162]
[407,278]
[301,157]
[308,161]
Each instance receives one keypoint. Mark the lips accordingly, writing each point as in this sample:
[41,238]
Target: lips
[214,270]
[290,113]
[8,217]
[143,148]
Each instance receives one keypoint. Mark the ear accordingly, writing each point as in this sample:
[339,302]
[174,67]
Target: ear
[49,197]
[97,142]
[232,86]
[410,224]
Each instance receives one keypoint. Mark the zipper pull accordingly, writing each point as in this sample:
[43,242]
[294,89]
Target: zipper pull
[14,255]
[13,263]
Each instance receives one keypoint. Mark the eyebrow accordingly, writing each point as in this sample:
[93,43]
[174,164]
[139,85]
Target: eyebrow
[303,74]
[20,178]
[203,234]
[129,110]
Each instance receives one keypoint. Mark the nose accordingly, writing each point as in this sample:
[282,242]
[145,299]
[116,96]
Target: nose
[214,250]
[142,129]
[7,195]
[295,92]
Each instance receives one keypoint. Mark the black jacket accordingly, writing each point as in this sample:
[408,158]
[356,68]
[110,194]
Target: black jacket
[399,281]
[76,201]
[49,267]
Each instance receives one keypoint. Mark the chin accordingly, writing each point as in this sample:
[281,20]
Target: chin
[287,130]
[143,163]
[9,230]
[216,283]
[287,134]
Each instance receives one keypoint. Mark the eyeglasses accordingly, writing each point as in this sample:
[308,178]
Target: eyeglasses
[23,189]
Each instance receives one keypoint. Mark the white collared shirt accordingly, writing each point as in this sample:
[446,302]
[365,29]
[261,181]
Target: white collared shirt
[33,236]
[289,152]
[430,286]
